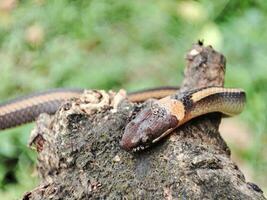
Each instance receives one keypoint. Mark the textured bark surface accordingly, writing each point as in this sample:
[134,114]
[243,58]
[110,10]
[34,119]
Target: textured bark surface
[79,156]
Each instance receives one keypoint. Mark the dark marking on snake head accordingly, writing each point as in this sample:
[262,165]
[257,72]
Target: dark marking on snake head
[149,124]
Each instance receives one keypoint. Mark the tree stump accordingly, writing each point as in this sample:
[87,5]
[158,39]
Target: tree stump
[79,156]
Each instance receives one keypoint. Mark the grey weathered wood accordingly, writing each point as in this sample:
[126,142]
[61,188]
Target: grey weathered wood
[80,158]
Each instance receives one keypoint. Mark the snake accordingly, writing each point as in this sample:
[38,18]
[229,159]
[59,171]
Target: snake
[162,116]
[167,110]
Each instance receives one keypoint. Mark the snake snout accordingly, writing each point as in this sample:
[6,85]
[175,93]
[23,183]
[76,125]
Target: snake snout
[130,139]
[133,134]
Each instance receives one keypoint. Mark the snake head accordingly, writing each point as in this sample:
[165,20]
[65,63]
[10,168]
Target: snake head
[149,124]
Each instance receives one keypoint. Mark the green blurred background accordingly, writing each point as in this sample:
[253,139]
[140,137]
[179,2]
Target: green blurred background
[114,44]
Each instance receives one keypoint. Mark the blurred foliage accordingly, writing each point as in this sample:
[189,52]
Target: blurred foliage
[114,44]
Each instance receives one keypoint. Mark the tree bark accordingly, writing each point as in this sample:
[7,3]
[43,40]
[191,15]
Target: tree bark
[79,156]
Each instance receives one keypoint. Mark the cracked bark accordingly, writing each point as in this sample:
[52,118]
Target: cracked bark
[79,156]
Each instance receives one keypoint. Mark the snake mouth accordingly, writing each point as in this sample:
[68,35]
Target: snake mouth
[147,145]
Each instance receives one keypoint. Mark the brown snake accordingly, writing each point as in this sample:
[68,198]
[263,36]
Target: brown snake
[152,123]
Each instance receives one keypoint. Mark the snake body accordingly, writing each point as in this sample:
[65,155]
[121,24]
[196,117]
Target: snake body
[162,116]
[26,109]
[158,119]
